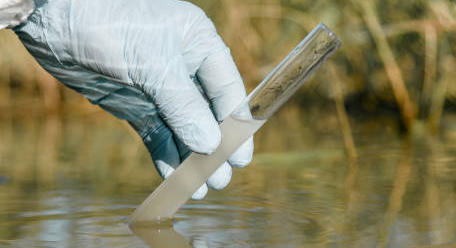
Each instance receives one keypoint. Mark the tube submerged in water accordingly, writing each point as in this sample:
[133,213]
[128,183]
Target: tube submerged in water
[259,105]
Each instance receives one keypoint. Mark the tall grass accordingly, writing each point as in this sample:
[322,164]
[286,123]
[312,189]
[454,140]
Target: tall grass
[397,63]
[394,59]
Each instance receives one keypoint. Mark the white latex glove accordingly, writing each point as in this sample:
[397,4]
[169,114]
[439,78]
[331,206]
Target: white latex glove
[13,12]
[142,60]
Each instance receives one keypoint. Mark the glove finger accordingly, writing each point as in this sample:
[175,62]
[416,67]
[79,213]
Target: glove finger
[165,155]
[184,109]
[207,57]
[223,86]
[222,83]
[200,193]
[221,177]
[243,155]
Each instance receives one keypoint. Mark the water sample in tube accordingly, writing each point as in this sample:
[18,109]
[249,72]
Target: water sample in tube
[259,105]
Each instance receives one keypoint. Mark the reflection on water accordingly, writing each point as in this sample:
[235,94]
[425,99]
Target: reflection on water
[164,235]
[77,186]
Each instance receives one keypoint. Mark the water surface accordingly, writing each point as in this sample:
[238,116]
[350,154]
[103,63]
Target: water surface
[77,191]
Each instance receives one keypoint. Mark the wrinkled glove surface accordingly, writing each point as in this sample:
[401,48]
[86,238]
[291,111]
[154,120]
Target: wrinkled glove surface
[13,12]
[158,64]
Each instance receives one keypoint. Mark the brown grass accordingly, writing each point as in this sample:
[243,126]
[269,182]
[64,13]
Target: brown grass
[379,60]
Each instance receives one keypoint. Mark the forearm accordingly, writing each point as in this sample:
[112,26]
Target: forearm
[14,12]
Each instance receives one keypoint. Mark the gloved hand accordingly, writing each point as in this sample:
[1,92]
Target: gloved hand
[143,61]
[13,12]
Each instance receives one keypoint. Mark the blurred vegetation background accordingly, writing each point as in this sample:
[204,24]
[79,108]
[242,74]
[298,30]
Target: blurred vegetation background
[393,73]
[390,85]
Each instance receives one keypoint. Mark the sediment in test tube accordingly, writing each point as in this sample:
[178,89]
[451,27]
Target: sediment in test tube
[283,82]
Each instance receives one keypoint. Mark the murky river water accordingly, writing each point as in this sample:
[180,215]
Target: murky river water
[398,193]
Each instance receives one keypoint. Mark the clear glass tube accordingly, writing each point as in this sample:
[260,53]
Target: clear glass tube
[292,72]
[272,93]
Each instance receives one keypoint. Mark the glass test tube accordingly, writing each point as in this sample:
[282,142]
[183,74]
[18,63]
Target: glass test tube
[292,72]
[272,93]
